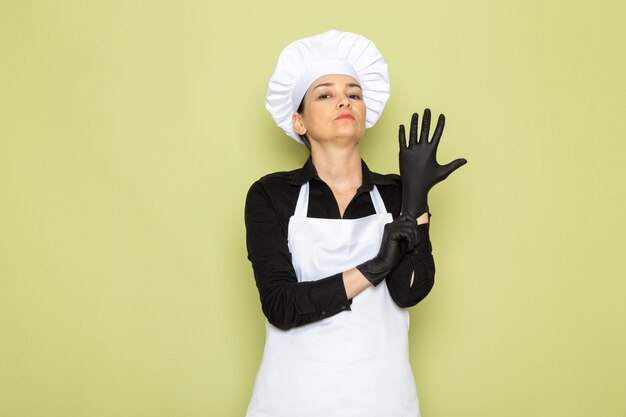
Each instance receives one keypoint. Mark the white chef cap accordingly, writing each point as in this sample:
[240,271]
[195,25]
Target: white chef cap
[333,52]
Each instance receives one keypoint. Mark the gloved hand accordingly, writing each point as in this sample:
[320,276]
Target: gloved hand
[399,237]
[419,169]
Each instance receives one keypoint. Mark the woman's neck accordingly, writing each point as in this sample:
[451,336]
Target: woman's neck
[340,168]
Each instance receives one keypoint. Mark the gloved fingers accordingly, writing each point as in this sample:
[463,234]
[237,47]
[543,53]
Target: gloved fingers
[441,122]
[399,222]
[404,229]
[453,166]
[404,246]
[409,227]
[410,242]
[425,127]
[398,231]
[413,133]
[415,235]
[402,137]
[412,237]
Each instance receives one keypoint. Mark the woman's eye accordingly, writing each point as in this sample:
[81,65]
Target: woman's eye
[324,95]
[355,96]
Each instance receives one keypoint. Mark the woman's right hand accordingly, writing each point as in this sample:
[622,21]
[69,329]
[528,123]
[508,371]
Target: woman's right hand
[399,237]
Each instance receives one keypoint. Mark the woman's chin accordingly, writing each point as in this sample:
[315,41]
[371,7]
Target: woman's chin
[348,134]
[339,136]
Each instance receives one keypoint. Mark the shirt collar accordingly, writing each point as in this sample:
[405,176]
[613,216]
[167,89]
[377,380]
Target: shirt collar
[308,172]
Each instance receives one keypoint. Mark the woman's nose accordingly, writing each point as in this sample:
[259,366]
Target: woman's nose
[344,102]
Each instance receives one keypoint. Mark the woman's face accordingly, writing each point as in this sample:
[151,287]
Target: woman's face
[333,110]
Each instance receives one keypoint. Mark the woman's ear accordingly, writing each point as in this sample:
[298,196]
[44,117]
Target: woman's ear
[298,124]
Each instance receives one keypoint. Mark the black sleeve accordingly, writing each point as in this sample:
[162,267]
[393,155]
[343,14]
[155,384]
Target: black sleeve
[420,262]
[285,302]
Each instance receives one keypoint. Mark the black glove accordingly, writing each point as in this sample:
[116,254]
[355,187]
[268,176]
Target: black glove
[419,169]
[400,236]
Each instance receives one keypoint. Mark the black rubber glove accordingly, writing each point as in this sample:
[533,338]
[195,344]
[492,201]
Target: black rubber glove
[419,169]
[400,236]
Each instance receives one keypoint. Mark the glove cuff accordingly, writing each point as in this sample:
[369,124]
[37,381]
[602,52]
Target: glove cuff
[370,271]
[415,213]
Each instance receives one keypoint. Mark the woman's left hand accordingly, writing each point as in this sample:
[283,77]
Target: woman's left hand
[419,169]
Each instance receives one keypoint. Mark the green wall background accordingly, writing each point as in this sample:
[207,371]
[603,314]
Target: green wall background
[129,135]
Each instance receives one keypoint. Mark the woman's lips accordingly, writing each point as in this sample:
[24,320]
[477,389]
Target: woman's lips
[345,116]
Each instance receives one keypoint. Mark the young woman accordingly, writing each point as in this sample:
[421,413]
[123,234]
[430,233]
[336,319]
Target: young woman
[339,252]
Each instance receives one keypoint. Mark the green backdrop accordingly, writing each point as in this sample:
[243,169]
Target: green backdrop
[131,131]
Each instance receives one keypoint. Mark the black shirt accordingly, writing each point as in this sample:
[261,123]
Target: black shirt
[287,303]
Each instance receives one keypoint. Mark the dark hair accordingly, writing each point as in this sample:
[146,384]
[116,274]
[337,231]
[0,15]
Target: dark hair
[303,137]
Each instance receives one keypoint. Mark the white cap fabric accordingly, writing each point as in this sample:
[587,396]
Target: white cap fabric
[333,52]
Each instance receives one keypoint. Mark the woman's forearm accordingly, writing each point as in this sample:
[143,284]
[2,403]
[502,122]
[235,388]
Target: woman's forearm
[354,282]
